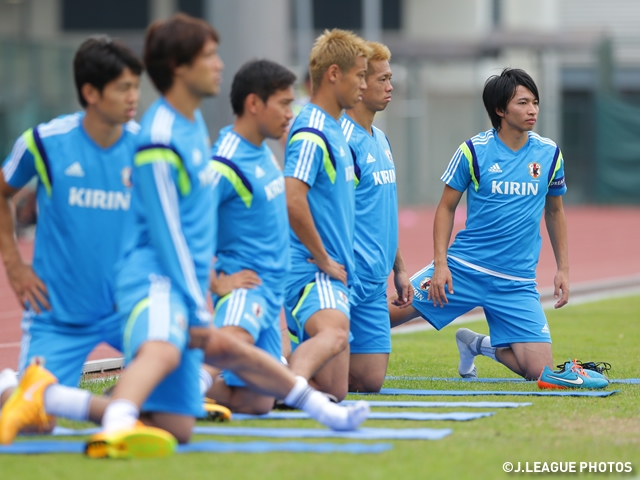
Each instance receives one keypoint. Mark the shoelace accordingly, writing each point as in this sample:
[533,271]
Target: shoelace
[600,367]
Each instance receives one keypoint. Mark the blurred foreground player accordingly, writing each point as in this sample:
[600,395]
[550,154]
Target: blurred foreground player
[83,166]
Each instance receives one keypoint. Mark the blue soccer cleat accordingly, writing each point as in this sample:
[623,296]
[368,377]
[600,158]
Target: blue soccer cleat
[571,375]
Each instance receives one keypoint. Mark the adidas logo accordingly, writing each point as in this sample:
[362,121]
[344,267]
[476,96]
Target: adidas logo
[495,168]
[370,158]
[545,329]
[259,172]
[74,170]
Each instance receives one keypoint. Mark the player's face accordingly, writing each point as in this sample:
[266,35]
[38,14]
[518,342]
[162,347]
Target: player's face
[521,113]
[274,116]
[118,102]
[378,93]
[204,75]
[352,84]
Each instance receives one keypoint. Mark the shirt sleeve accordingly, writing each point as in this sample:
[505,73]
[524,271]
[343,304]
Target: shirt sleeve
[304,157]
[458,173]
[20,166]
[557,184]
[160,179]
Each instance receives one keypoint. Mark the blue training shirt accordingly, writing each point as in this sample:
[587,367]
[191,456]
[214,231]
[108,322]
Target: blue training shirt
[253,225]
[83,197]
[506,193]
[173,202]
[318,154]
[376,227]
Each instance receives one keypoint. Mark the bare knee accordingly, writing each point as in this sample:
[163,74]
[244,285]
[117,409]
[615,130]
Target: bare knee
[166,356]
[365,384]
[340,339]
[221,347]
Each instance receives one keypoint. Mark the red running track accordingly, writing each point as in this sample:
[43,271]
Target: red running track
[603,245]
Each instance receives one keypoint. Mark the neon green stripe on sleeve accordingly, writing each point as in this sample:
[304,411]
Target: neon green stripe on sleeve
[469,156]
[159,154]
[311,137]
[236,182]
[39,162]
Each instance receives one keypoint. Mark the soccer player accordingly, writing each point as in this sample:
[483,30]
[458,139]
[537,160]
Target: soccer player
[82,163]
[319,175]
[165,274]
[253,226]
[376,230]
[511,175]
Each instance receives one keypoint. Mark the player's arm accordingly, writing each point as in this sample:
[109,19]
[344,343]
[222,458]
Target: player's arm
[161,182]
[302,223]
[557,227]
[222,284]
[442,228]
[401,282]
[18,169]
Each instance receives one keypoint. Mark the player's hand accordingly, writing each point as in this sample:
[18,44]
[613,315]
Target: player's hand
[438,291]
[28,287]
[332,268]
[561,286]
[404,289]
[199,337]
[223,284]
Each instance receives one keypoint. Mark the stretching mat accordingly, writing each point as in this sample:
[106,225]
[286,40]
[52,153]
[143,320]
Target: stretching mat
[464,393]
[455,416]
[360,434]
[633,381]
[409,404]
[52,446]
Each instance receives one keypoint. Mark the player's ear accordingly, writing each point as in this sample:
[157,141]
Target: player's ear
[499,112]
[333,73]
[251,103]
[90,94]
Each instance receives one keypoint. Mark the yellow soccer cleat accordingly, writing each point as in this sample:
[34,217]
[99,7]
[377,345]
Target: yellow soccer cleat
[25,407]
[215,412]
[140,441]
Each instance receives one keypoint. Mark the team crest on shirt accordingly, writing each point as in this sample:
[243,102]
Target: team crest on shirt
[425,284]
[256,309]
[181,321]
[535,169]
[342,297]
[125,174]
[389,156]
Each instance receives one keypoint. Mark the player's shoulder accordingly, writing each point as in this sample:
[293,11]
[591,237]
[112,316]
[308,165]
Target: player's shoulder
[132,128]
[157,125]
[482,139]
[313,118]
[60,126]
[226,145]
[542,142]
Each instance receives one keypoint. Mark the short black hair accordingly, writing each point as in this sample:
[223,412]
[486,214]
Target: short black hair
[174,42]
[262,77]
[100,60]
[499,90]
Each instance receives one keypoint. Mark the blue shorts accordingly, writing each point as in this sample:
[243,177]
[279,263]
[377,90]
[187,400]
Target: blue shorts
[157,313]
[302,302]
[370,318]
[512,308]
[257,312]
[65,346]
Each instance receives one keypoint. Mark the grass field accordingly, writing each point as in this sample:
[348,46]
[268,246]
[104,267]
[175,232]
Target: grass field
[560,429]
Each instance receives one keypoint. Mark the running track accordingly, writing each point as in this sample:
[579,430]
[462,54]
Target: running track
[603,249]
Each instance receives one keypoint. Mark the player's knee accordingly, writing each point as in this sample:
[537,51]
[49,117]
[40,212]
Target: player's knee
[340,339]
[220,348]
[366,383]
[166,356]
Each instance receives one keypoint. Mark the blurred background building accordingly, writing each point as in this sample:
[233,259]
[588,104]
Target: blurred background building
[583,54]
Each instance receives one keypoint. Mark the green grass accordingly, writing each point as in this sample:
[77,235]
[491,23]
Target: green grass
[552,429]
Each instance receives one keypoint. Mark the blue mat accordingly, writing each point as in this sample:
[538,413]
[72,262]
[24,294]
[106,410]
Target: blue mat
[409,404]
[455,416]
[51,446]
[360,434]
[464,393]
[633,381]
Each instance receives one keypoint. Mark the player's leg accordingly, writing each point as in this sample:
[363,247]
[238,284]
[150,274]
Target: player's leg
[371,342]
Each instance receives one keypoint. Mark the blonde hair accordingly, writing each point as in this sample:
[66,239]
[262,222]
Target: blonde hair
[379,53]
[335,47]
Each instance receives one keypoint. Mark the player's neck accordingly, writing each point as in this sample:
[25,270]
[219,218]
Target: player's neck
[247,129]
[326,100]
[183,101]
[362,116]
[513,138]
[103,133]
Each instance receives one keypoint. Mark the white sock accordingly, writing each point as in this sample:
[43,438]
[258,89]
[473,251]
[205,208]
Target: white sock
[67,402]
[120,414]
[8,379]
[318,406]
[206,381]
[486,349]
